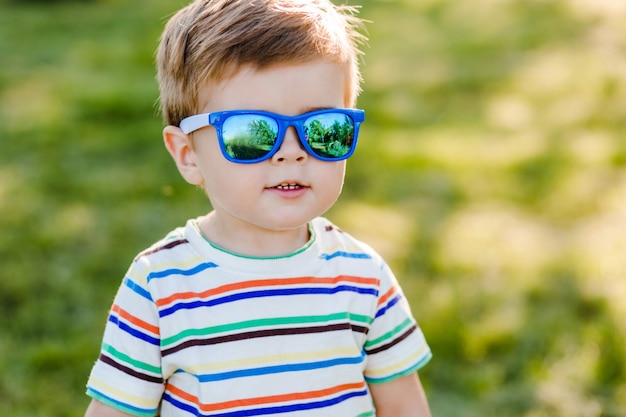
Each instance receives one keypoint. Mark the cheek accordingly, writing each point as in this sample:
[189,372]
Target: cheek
[333,179]
[213,167]
[225,181]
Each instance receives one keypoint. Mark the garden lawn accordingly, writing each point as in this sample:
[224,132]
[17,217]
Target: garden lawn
[490,172]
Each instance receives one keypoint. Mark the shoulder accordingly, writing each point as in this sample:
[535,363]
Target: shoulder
[339,243]
[173,239]
[176,251]
[173,243]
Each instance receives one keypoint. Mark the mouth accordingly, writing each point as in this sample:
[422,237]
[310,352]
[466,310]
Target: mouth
[287,186]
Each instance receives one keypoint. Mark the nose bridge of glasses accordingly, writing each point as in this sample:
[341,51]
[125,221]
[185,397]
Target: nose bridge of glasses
[291,143]
[293,129]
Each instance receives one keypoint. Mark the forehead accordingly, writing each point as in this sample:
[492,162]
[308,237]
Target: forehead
[285,88]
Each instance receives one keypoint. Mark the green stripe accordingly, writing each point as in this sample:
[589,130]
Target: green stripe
[276,321]
[399,328]
[137,364]
[368,414]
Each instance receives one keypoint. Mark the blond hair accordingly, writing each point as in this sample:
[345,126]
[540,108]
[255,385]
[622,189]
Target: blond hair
[210,40]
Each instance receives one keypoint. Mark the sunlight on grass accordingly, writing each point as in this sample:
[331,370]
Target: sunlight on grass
[496,12]
[607,9]
[592,148]
[70,222]
[464,149]
[507,247]
[8,182]
[33,103]
[550,79]
[388,230]
[563,388]
[511,112]
[583,190]
[503,323]
[598,247]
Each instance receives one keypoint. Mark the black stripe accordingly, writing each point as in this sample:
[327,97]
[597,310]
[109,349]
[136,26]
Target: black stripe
[170,245]
[393,342]
[256,334]
[360,329]
[130,371]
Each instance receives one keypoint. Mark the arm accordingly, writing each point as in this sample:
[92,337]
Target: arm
[402,397]
[98,409]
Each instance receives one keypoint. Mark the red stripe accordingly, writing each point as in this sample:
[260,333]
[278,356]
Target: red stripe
[135,320]
[265,283]
[387,295]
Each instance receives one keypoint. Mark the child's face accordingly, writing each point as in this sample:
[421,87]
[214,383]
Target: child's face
[292,187]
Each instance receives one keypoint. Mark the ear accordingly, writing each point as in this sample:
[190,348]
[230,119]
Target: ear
[180,146]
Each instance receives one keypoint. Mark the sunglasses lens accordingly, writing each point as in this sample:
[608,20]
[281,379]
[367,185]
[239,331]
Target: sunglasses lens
[330,135]
[248,137]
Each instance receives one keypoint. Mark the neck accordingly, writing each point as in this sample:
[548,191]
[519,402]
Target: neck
[246,239]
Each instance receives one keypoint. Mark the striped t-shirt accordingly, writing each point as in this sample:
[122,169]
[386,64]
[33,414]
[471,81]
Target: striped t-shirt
[198,331]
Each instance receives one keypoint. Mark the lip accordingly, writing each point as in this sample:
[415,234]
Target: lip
[289,188]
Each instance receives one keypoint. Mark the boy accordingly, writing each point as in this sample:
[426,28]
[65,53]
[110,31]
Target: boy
[260,307]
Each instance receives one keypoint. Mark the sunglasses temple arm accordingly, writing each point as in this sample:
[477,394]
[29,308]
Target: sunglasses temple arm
[193,123]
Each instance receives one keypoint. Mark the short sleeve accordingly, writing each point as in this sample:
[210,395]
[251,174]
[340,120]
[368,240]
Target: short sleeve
[127,375]
[395,344]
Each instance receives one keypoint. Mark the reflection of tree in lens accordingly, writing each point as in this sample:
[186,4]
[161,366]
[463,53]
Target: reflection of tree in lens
[261,131]
[330,141]
[255,143]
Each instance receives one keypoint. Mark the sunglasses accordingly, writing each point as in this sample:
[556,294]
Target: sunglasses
[249,136]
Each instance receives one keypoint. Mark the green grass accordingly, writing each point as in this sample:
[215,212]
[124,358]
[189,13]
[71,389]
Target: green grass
[491,173]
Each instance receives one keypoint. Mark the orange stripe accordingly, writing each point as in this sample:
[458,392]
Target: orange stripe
[136,321]
[264,283]
[181,394]
[387,295]
[263,400]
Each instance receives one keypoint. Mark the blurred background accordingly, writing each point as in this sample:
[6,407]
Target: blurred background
[491,173]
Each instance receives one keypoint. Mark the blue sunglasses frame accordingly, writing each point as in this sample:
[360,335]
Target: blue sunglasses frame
[217,119]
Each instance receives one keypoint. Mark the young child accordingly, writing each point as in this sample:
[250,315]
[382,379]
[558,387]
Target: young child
[261,307]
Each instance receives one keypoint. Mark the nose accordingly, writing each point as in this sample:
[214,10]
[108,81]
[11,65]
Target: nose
[291,150]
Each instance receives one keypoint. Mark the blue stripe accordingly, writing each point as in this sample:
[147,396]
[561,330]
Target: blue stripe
[390,304]
[268,410]
[132,331]
[194,411]
[278,369]
[343,254]
[186,272]
[137,288]
[265,293]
